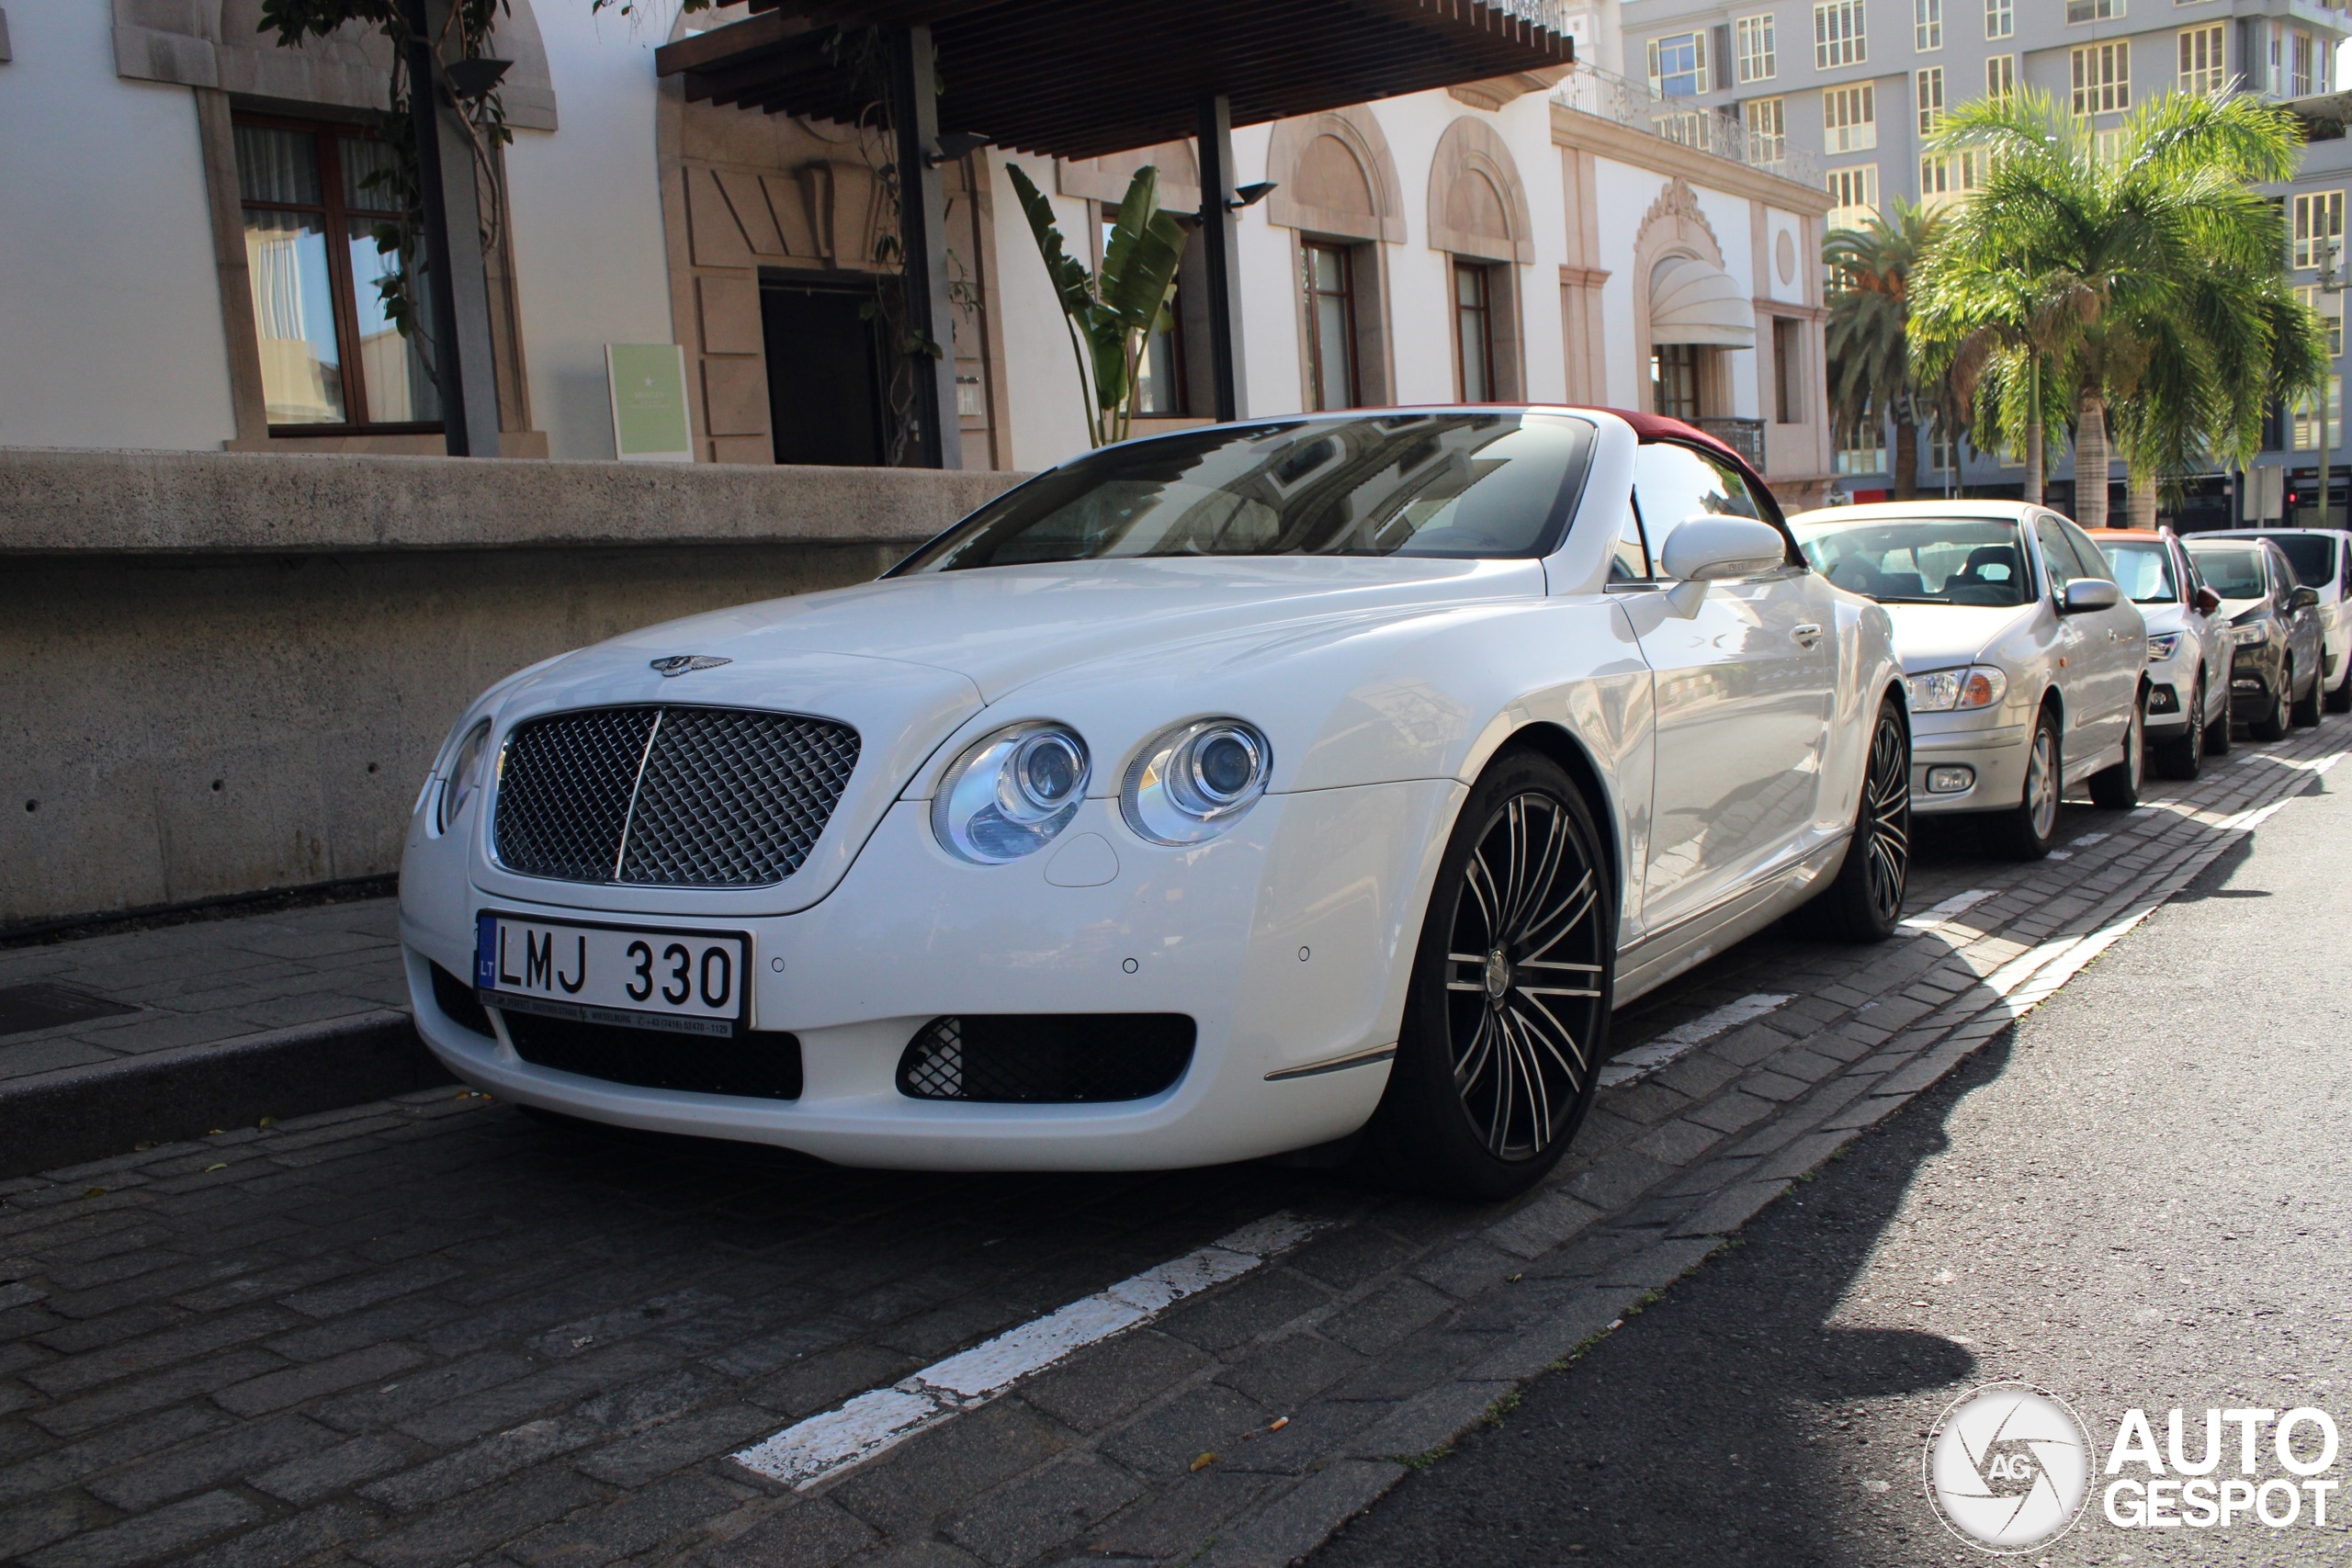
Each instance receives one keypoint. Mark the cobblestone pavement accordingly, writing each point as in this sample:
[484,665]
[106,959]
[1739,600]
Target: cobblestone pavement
[208,983]
[433,1331]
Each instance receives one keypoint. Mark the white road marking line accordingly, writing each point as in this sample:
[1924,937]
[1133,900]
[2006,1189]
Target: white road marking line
[2030,979]
[808,1451]
[2060,854]
[1644,1060]
[2089,838]
[1943,913]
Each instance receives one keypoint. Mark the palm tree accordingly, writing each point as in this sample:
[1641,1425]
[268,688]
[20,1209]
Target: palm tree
[2150,282]
[1868,333]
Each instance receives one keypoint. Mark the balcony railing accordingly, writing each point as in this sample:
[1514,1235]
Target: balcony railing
[1604,93]
[1745,437]
[1548,13]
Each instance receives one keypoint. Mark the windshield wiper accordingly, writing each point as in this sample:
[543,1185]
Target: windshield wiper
[1904,599]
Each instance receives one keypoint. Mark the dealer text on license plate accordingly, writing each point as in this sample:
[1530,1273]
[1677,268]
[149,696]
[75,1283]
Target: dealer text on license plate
[688,982]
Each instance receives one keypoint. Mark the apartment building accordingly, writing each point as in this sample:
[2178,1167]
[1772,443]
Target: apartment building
[1850,90]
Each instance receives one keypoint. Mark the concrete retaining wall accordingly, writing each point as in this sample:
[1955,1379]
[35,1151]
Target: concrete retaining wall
[227,673]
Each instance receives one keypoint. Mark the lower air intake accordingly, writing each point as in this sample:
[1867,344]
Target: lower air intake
[1047,1058]
[752,1066]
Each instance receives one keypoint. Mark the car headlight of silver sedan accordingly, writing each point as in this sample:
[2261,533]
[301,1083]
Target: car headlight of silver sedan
[464,777]
[1192,783]
[2162,645]
[1957,690]
[2251,637]
[1011,793]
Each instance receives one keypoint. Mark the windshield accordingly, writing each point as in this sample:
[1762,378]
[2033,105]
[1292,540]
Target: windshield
[2232,573]
[1923,560]
[2142,570]
[1459,485]
[2313,558]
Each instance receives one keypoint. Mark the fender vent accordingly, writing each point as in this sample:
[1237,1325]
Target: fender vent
[1048,1058]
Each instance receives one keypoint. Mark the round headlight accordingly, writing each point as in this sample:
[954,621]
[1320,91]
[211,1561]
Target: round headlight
[465,773]
[1008,796]
[1195,781]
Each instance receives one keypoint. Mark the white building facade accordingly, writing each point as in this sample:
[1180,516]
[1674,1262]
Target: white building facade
[190,262]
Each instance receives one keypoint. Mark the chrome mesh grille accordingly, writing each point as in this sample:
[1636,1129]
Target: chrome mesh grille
[1047,1058]
[669,797]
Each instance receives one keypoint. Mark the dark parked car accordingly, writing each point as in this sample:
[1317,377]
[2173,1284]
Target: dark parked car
[2323,561]
[2274,624]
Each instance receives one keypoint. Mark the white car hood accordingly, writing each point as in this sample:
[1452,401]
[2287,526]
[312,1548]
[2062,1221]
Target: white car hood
[1939,637]
[1004,626]
[2232,608]
[2163,618]
[908,661]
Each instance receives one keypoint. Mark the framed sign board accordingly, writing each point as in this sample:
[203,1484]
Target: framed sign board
[649,387]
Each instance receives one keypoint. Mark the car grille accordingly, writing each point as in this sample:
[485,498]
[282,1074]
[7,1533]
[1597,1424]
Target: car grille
[1047,1058]
[669,797]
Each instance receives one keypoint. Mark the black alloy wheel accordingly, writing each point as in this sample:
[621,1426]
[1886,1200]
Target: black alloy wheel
[1864,902]
[1508,1019]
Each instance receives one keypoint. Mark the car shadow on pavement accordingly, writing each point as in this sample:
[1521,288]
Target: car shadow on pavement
[1741,1418]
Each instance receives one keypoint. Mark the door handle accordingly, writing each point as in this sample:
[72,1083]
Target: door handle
[1806,635]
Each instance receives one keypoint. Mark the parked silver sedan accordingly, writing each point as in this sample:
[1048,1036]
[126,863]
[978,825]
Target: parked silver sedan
[2026,665]
[2189,647]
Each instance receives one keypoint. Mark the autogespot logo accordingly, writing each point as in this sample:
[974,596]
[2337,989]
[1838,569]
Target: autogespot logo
[2008,1468]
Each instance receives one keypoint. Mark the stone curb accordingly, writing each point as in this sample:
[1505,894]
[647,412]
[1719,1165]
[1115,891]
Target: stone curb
[84,1113]
[1294,1524]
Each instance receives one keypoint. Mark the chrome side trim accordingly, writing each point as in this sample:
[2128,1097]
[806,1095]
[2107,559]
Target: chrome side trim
[1334,1064]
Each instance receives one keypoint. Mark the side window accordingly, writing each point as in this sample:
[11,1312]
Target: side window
[2057,554]
[1673,484]
[2088,556]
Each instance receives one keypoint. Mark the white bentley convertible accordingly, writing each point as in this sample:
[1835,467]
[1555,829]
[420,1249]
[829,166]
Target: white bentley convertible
[1213,795]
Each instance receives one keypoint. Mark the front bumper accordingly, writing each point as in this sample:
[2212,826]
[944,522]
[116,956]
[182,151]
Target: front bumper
[1288,942]
[2171,688]
[1995,756]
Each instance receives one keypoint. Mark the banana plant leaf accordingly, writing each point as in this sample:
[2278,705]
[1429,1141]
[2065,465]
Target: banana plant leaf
[1110,314]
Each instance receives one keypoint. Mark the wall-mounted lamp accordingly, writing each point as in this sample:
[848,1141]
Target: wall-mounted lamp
[955,144]
[1250,196]
[472,80]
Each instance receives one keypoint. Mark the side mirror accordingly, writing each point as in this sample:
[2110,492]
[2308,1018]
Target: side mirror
[1711,547]
[2303,598]
[2206,601]
[2086,593]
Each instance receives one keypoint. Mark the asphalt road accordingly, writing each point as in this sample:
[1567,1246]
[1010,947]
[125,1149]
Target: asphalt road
[2136,1200]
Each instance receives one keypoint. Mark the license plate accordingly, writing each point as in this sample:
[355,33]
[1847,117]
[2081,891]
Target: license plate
[686,982]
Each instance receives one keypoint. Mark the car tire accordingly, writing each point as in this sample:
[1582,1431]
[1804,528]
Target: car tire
[1507,1014]
[2340,699]
[2217,736]
[1863,903]
[2030,827]
[2306,712]
[2185,757]
[2272,726]
[2118,788]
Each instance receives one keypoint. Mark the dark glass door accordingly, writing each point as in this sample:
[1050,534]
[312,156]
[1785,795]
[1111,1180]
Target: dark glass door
[824,385]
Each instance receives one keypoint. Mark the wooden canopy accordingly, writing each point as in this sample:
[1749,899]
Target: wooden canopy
[1065,79]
